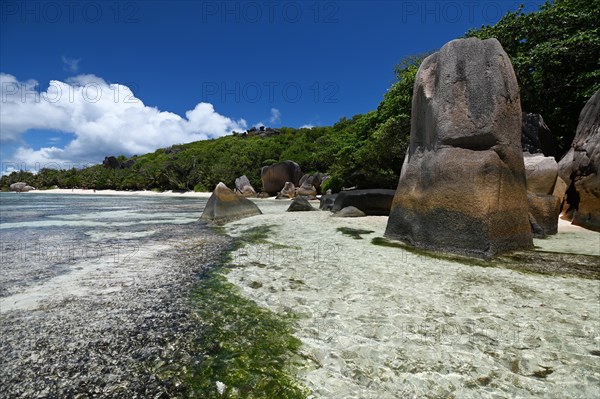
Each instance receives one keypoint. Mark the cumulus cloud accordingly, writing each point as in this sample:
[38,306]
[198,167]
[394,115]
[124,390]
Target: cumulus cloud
[308,126]
[70,64]
[275,116]
[106,119]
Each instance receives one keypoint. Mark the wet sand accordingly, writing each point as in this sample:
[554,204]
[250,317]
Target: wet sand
[381,322]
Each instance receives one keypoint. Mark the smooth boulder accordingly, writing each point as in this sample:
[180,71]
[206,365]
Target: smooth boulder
[21,187]
[543,214]
[275,176]
[224,206]
[243,186]
[306,190]
[288,191]
[462,187]
[326,201]
[579,168]
[541,173]
[350,212]
[300,204]
[370,201]
[312,182]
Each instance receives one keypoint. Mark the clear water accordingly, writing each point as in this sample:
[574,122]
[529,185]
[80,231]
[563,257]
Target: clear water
[45,236]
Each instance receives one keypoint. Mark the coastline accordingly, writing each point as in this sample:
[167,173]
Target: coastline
[373,321]
[107,311]
[148,193]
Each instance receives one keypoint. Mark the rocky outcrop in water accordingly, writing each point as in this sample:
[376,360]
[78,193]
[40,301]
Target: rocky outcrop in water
[462,187]
[225,206]
[579,168]
[275,176]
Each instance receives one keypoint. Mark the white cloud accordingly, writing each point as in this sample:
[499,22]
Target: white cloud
[107,119]
[275,116]
[306,126]
[70,64]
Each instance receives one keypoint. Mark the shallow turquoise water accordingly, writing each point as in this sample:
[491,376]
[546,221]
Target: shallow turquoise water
[43,236]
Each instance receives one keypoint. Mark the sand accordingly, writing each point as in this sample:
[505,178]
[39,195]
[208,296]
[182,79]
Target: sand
[79,191]
[380,322]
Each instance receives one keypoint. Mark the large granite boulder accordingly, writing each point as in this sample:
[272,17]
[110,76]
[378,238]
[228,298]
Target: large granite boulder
[579,167]
[308,182]
[370,201]
[275,176]
[243,186]
[111,162]
[462,187]
[306,190]
[300,204]
[21,187]
[541,173]
[224,206]
[536,137]
[326,201]
[543,214]
[288,191]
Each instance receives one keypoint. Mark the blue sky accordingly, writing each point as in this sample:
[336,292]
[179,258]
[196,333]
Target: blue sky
[128,77]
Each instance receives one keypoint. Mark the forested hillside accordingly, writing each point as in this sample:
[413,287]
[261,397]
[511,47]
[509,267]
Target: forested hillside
[556,56]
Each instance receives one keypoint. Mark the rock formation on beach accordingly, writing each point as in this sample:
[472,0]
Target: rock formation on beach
[21,187]
[243,186]
[544,207]
[224,206]
[300,204]
[369,201]
[312,183]
[349,212]
[579,168]
[462,187]
[288,191]
[275,176]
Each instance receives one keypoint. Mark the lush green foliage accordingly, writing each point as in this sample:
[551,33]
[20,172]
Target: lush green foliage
[556,56]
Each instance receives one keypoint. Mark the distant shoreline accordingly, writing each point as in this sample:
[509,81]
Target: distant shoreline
[146,193]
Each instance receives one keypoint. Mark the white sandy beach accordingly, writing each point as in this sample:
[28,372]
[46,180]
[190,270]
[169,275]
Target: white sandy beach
[383,323]
[80,191]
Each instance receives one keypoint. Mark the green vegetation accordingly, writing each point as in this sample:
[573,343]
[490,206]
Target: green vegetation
[248,351]
[556,56]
